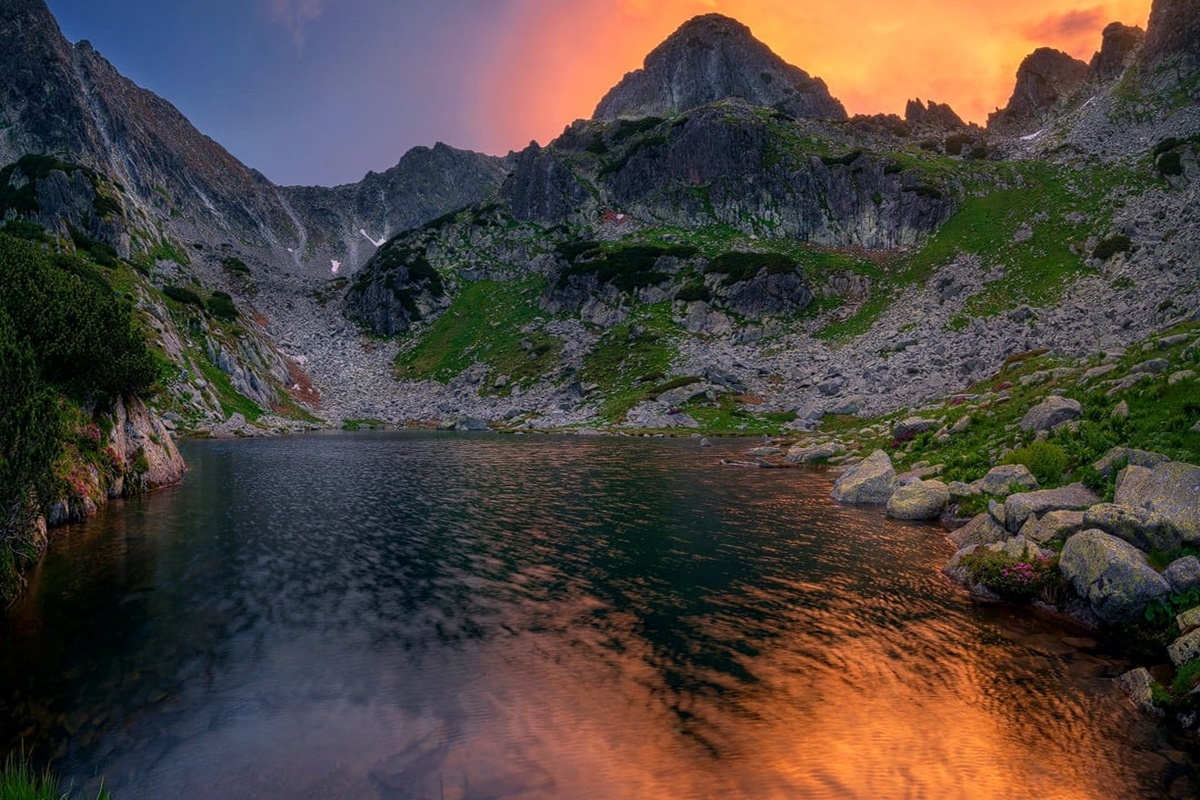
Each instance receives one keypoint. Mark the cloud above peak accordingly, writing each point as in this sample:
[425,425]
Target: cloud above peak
[294,16]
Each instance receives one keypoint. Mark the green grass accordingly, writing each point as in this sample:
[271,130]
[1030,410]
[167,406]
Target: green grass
[631,357]
[232,401]
[484,324]
[19,781]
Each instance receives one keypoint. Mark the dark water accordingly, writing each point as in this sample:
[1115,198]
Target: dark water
[399,616]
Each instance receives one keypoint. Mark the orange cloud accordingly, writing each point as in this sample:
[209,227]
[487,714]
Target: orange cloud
[556,60]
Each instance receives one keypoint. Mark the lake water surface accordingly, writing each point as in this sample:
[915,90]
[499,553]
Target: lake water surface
[445,616]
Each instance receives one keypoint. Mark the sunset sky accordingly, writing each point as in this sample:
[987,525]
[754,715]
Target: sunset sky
[321,91]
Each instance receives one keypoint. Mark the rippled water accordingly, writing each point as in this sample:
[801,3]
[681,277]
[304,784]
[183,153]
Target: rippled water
[421,616]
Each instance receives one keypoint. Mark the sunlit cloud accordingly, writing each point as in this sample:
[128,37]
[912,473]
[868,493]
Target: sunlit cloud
[1072,30]
[294,16]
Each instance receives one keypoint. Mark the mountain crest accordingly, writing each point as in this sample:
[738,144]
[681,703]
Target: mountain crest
[711,58]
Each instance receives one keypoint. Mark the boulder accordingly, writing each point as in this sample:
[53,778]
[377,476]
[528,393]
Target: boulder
[906,429]
[919,500]
[1019,507]
[979,531]
[815,453]
[1185,649]
[1172,490]
[1112,575]
[1189,620]
[962,491]
[1143,529]
[1129,457]
[1050,413]
[1057,526]
[999,479]
[1138,684]
[1183,574]
[869,482]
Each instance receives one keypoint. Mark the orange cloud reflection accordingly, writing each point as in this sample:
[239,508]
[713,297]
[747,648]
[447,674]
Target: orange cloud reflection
[557,59]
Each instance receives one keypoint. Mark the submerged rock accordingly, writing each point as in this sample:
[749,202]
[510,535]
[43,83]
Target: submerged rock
[815,453]
[869,482]
[1112,575]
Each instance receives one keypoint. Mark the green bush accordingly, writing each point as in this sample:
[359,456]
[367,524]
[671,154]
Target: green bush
[1046,460]
[221,306]
[737,267]
[184,296]
[1107,248]
[235,265]
[627,268]
[694,292]
[84,338]
[1018,579]
[1169,164]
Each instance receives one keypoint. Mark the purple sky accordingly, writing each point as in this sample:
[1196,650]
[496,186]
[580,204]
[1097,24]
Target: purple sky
[307,91]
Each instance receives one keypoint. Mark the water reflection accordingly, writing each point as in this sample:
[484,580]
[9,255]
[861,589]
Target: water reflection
[433,616]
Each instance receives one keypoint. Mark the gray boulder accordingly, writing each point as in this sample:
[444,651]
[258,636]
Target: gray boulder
[1019,507]
[1112,575]
[1050,413]
[919,500]
[908,428]
[1138,684]
[1172,490]
[1130,457]
[960,491]
[1183,574]
[1189,620]
[1185,649]
[1143,529]
[999,479]
[1056,526]
[814,453]
[979,531]
[869,482]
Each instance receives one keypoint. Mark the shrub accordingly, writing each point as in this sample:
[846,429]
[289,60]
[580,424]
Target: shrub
[1018,579]
[1107,248]
[183,296]
[737,267]
[235,265]
[694,292]
[1169,164]
[843,161]
[221,306]
[1046,460]
[628,268]
[955,143]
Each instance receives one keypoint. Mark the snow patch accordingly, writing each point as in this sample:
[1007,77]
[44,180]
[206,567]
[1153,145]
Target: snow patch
[336,266]
[371,239]
[1031,137]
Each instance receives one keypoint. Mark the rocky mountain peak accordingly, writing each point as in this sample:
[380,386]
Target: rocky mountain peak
[1119,44]
[1045,78]
[711,58]
[934,115]
[1173,33]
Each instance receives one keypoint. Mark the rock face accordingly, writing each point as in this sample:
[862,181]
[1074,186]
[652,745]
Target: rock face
[1119,44]
[870,482]
[935,115]
[1112,575]
[1050,413]
[1019,507]
[1172,490]
[711,58]
[1045,78]
[1173,34]
[919,500]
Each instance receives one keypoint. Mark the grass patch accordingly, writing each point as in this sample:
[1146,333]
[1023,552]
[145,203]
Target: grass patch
[20,781]
[232,401]
[629,355]
[489,322]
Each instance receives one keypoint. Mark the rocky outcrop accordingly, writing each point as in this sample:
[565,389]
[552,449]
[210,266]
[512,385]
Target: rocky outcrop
[1171,490]
[1172,35]
[869,482]
[938,116]
[982,529]
[1119,44]
[1045,78]
[711,58]
[1050,413]
[1112,575]
[918,500]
